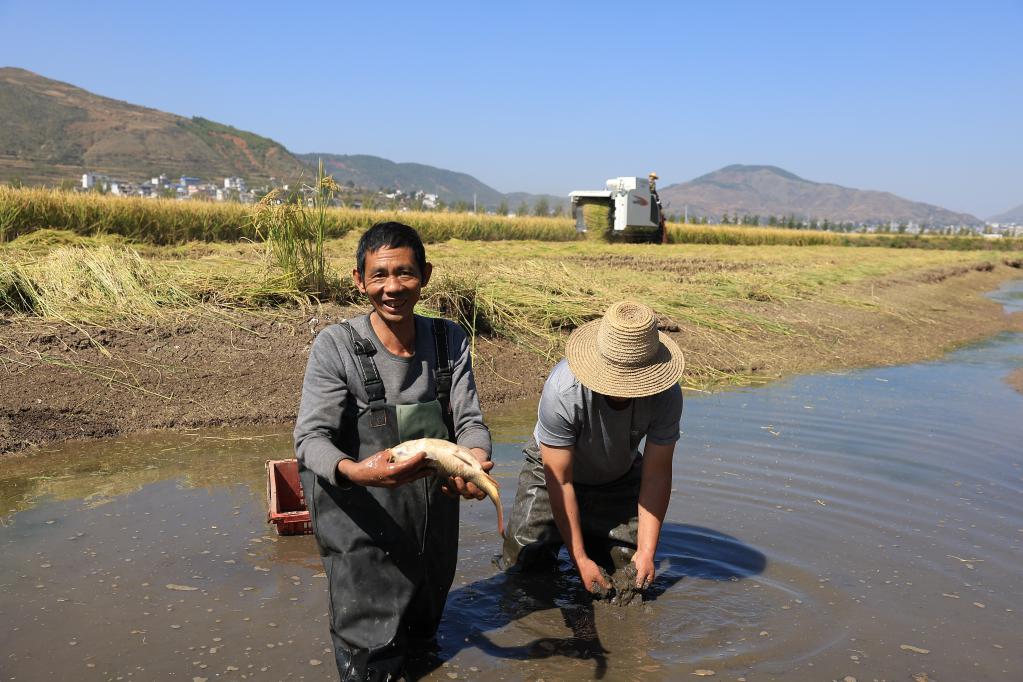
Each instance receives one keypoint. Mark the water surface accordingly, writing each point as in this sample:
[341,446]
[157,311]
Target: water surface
[866,523]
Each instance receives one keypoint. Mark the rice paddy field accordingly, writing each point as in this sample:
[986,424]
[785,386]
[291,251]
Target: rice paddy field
[91,286]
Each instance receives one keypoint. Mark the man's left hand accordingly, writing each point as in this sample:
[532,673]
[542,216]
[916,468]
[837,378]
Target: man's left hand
[644,569]
[459,487]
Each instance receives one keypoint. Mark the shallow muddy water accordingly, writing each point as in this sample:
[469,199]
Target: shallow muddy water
[864,524]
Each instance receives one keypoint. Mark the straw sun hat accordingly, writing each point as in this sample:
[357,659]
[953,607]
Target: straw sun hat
[622,355]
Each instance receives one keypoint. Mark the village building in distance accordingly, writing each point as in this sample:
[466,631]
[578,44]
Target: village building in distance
[186,187]
[237,190]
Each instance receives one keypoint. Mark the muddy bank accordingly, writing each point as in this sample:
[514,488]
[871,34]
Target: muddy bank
[62,382]
[1016,380]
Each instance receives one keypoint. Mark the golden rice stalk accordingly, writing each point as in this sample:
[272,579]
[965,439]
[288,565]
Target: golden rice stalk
[102,283]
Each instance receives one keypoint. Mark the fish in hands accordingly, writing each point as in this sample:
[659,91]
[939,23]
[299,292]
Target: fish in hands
[450,460]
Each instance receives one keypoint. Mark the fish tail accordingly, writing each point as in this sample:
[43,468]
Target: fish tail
[490,486]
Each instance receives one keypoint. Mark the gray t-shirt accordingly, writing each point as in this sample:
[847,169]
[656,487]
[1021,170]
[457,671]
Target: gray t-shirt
[606,439]
[333,376]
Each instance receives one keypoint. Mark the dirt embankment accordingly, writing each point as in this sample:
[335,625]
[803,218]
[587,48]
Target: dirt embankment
[62,382]
[1016,380]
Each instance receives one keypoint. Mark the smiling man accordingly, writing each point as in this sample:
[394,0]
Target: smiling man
[387,532]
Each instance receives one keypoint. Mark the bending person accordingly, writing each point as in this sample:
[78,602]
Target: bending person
[584,483]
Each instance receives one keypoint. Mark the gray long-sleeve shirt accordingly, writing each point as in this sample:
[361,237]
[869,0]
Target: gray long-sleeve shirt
[333,376]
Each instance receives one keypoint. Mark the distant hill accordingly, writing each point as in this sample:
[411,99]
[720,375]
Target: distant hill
[768,190]
[51,131]
[374,172]
[1013,215]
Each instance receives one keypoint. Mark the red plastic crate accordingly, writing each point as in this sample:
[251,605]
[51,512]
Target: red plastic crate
[285,499]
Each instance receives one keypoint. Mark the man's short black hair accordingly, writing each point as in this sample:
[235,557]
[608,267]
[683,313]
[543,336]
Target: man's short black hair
[392,235]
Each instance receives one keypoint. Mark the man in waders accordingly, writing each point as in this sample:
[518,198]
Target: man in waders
[387,532]
[584,483]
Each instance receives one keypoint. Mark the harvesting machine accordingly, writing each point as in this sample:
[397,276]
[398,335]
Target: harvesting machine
[629,209]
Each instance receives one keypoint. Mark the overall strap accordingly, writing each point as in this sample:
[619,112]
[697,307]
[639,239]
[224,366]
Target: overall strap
[364,351]
[442,375]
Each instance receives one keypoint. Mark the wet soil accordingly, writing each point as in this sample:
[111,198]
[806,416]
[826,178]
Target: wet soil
[1016,380]
[62,382]
[622,590]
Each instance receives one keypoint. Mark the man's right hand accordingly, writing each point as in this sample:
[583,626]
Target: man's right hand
[590,573]
[378,471]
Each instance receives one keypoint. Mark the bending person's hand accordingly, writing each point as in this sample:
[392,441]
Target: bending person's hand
[591,575]
[644,570]
[379,471]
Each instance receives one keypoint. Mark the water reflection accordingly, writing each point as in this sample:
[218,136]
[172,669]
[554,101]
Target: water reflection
[500,600]
[97,472]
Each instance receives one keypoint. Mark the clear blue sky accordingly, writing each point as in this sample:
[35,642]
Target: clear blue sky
[923,99]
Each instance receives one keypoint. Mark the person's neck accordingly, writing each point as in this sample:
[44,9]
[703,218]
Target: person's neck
[398,338]
[618,404]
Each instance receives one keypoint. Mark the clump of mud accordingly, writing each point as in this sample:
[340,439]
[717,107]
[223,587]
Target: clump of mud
[623,588]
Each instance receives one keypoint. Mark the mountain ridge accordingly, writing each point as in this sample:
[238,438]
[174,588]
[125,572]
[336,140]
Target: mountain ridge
[1013,215]
[53,130]
[372,172]
[769,190]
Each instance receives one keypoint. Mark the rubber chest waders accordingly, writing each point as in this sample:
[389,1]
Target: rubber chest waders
[608,518]
[389,554]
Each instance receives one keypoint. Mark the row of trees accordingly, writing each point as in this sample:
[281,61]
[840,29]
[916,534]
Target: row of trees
[542,207]
[795,223]
[394,199]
